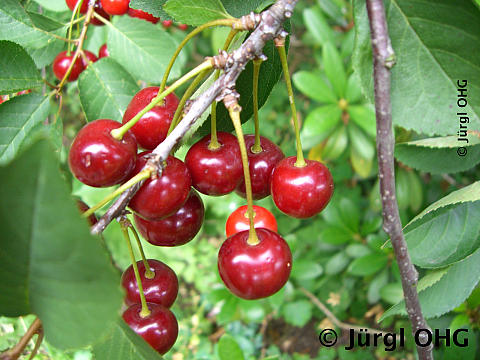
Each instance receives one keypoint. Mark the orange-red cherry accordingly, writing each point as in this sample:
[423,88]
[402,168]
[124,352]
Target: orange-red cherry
[238,220]
[115,7]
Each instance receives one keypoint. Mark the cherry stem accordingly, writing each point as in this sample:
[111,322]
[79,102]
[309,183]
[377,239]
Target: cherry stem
[120,132]
[124,224]
[75,12]
[220,22]
[142,175]
[280,45]
[214,144]
[257,147]
[149,274]
[234,111]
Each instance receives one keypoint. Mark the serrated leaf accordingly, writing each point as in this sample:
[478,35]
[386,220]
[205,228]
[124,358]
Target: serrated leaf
[228,349]
[447,293]
[105,90]
[431,278]
[53,5]
[152,7]
[143,49]
[17,69]
[368,264]
[333,66]
[123,344]
[319,124]
[439,155]
[52,266]
[435,43]
[313,86]
[196,12]
[317,26]
[364,117]
[20,116]
[239,8]
[297,313]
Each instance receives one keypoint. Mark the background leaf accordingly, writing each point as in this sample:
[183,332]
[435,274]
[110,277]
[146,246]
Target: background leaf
[313,86]
[239,8]
[368,264]
[333,65]
[319,124]
[298,313]
[317,25]
[152,7]
[195,12]
[228,349]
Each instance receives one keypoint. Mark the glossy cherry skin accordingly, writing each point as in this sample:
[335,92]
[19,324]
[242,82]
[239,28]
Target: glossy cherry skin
[153,126]
[99,160]
[177,229]
[162,289]
[254,271]
[115,7]
[90,56]
[62,62]
[301,192]
[215,172]
[161,197]
[72,3]
[98,8]
[103,51]
[143,15]
[92,219]
[159,329]
[261,166]
[238,220]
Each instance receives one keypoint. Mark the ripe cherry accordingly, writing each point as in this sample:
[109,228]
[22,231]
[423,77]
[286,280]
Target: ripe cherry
[176,229]
[99,160]
[261,165]
[238,220]
[301,192]
[153,126]
[62,62]
[115,7]
[162,289]
[215,171]
[255,271]
[98,8]
[103,52]
[72,3]
[163,196]
[90,56]
[167,23]
[183,26]
[143,15]
[92,219]
[159,329]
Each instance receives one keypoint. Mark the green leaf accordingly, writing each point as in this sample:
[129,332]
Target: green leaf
[143,49]
[362,151]
[239,8]
[448,292]
[228,349]
[416,191]
[196,12]
[435,44]
[54,5]
[335,235]
[337,263]
[336,144]
[318,26]
[319,124]
[353,93]
[17,69]
[333,65]
[20,116]
[306,269]
[378,282]
[402,188]
[364,117]
[297,313]
[439,155]
[357,250]
[313,86]
[152,7]
[228,310]
[123,344]
[50,265]
[106,90]
[392,293]
[368,264]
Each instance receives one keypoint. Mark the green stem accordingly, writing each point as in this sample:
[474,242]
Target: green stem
[149,274]
[142,175]
[280,45]
[234,112]
[145,311]
[257,147]
[119,132]
[75,11]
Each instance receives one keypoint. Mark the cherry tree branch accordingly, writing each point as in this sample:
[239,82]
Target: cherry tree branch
[383,61]
[269,25]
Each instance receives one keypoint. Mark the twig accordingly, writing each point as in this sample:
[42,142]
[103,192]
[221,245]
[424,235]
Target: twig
[15,352]
[383,61]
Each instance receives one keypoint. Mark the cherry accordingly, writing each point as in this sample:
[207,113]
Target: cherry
[161,197]
[153,126]
[90,56]
[98,8]
[99,160]
[254,271]
[301,192]
[24,92]
[238,220]
[162,289]
[261,165]
[143,15]
[62,62]
[92,219]
[167,23]
[159,329]
[177,229]
[183,26]
[215,172]
[72,3]
[115,7]
[103,52]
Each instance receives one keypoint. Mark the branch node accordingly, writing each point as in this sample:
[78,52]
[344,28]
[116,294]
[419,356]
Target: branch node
[248,22]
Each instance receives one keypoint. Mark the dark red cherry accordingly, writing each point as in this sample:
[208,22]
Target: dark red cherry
[143,15]
[215,172]
[301,192]
[72,3]
[162,289]
[261,165]
[167,23]
[238,220]
[255,271]
[90,56]
[159,329]
[99,160]
[152,127]
[161,197]
[115,7]
[62,62]
[98,8]
[176,229]
[92,219]
[103,52]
